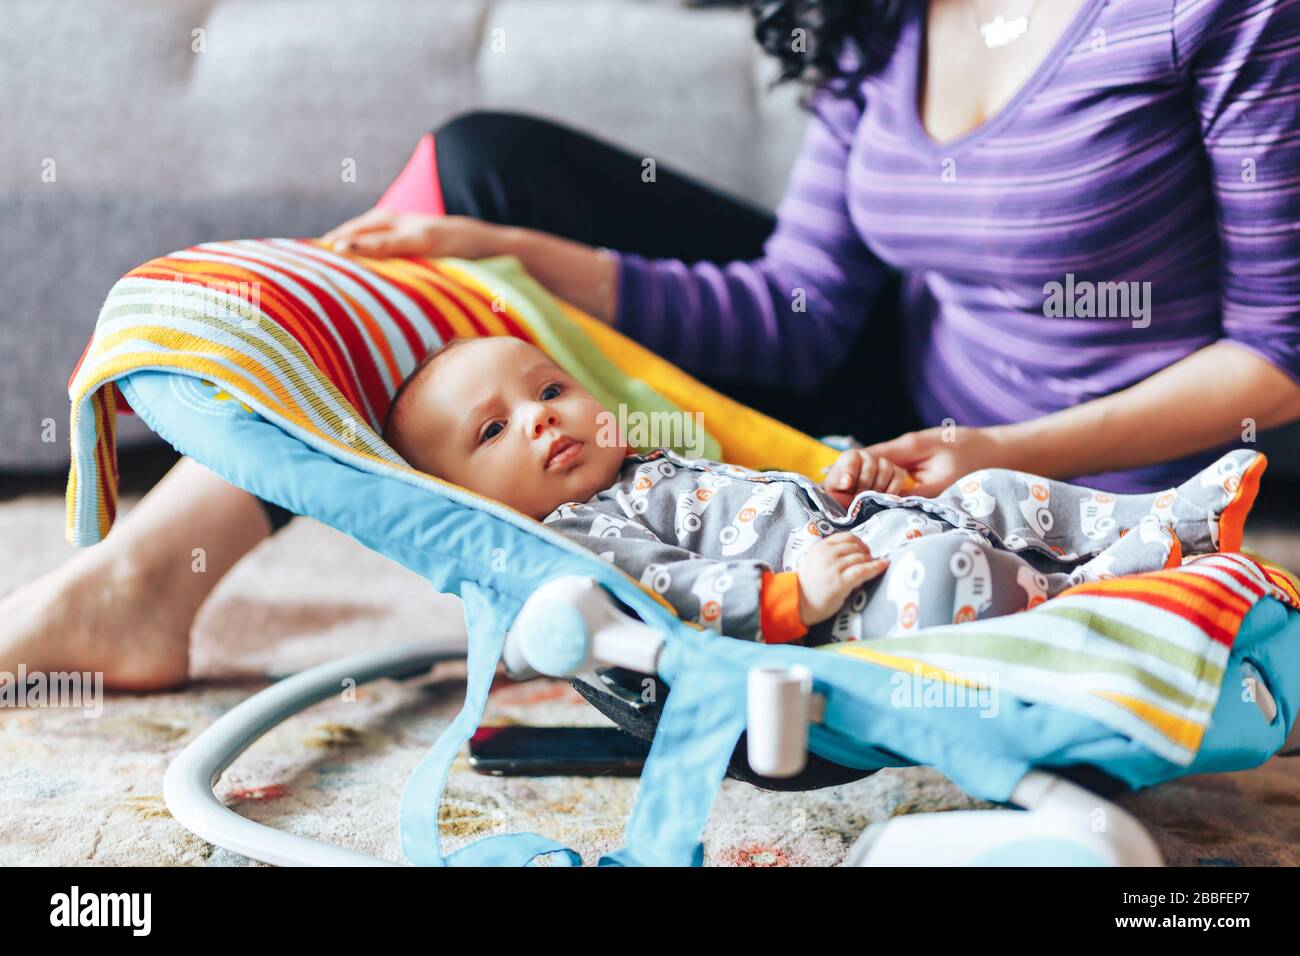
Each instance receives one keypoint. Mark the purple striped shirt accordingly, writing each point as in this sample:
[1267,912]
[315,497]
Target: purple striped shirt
[1158,143]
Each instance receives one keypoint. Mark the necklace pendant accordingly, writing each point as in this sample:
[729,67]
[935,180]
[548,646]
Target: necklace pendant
[1000,31]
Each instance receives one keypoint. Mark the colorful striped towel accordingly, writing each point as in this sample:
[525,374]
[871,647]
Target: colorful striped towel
[1144,654]
[318,342]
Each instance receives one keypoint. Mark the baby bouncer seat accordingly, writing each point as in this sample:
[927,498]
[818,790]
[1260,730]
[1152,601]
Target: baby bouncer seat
[272,363]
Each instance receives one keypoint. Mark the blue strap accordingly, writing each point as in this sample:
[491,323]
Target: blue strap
[702,719]
[422,795]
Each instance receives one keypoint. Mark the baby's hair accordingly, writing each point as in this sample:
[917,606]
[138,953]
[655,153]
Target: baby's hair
[391,420]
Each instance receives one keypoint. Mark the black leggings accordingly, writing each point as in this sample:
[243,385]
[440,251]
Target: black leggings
[520,170]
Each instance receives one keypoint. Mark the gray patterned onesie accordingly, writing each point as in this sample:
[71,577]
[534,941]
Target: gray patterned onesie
[704,534]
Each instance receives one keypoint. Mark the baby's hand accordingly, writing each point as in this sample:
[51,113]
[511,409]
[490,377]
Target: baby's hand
[857,470]
[830,571]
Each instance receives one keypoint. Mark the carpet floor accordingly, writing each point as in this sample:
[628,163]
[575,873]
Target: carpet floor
[76,790]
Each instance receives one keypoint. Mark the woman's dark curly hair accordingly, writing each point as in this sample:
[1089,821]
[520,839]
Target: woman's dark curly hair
[828,28]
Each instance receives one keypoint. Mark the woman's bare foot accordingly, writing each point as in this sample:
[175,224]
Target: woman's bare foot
[93,616]
[124,607]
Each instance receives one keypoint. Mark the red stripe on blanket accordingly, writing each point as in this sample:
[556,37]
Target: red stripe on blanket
[515,329]
[292,315]
[1233,570]
[282,306]
[368,377]
[414,341]
[105,477]
[1208,614]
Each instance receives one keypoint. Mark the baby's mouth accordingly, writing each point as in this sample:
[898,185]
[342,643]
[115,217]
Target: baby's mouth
[564,451]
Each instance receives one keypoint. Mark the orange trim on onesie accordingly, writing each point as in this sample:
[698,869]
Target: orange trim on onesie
[779,608]
[1232,520]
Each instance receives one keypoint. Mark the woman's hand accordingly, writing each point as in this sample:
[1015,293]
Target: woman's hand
[580,275]
[936,457]
[382,232]
[829,573]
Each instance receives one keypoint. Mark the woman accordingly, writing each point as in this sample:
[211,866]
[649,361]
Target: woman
[1089,206]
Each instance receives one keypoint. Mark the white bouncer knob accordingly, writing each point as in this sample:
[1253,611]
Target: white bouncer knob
[570,625]
[778,711]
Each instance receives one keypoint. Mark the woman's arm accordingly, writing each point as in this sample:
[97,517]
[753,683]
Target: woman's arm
[576,273]
[1219,394]
[787,318]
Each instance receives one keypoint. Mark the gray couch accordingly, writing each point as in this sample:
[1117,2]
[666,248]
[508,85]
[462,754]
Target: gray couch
[156,147]
[167,123]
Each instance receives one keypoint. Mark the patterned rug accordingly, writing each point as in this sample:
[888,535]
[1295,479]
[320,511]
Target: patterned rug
[77,791]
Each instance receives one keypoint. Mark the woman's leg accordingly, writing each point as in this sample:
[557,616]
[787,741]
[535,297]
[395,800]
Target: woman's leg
[124,606]
[522,170]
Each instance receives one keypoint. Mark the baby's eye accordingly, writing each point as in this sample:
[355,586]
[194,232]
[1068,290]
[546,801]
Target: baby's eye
[552,391]
[490,431]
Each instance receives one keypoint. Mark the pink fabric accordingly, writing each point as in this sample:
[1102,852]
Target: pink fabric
[416,188]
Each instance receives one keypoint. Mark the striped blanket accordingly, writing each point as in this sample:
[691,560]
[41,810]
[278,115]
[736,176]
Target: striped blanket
[318,342]
[1144,654]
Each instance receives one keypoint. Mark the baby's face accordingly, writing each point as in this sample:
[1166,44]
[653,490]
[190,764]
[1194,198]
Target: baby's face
[498,417]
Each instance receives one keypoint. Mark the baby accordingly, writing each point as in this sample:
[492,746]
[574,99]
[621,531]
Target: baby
[773,556]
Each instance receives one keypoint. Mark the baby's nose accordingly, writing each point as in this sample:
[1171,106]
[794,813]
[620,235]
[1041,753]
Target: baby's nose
[544,421]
